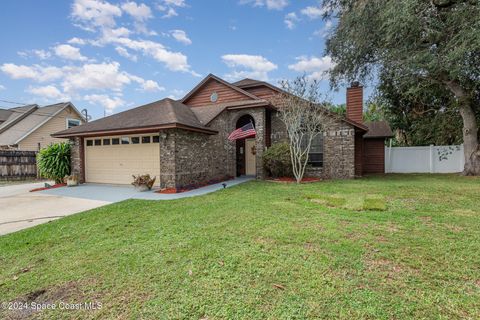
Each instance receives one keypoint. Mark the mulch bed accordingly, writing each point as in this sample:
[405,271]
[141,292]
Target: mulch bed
[58,185]
[293,180]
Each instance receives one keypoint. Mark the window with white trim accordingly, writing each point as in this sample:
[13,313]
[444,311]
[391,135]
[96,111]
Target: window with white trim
[73,123]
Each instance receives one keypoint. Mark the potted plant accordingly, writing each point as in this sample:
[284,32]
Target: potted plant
[71,180]
[143,182]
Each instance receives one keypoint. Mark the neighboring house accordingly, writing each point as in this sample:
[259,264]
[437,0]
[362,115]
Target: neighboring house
[29,128]
[185,142]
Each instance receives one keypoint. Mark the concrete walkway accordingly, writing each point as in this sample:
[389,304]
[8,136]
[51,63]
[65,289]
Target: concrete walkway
[115,193]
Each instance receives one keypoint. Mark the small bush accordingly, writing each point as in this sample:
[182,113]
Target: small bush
[277,161]
[54,161]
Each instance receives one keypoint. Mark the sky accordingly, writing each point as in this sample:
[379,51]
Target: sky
[109,56]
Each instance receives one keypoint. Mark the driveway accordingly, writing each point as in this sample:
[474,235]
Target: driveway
[20,209]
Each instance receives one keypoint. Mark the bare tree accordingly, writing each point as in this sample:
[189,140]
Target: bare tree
[305,116]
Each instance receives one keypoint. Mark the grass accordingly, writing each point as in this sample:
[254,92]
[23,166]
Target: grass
[395,247]
[12,182]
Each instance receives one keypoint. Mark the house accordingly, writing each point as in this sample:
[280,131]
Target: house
[29,128]
[184,142]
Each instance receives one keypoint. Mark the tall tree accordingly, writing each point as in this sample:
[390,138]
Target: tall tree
[414,41]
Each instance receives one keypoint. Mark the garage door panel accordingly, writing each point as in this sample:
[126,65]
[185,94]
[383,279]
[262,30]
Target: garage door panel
[116,164]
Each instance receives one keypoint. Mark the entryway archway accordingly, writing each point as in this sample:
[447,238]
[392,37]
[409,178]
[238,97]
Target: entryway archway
[246,149]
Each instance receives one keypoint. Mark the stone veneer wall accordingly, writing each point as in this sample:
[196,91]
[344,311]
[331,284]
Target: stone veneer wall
[76,158]
[188,158]
[338,149]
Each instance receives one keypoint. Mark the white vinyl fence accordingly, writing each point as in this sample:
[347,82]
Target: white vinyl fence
[430,159]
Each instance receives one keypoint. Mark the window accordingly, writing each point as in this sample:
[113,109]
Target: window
[72,123]
[125,140]
[156,139]
[146,139]
[135,140]
[106,142]
[89,143]
[315,157]
[115,141]
[98,142]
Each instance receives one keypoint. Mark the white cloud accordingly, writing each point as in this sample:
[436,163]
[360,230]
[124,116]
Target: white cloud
[151,86]
[176,94]
[248,66]
[69,52]
[313,12]
[2,87]
[140,12]
[49,92]
[174,61]
[95,13]
[35,72]
[270,4]
[124,53]
[290,20]
[181,36]
[315,67]
[175,3]
[325,30]
[168,6]
[102,76]
[42,54]
[77,41]
[105,101]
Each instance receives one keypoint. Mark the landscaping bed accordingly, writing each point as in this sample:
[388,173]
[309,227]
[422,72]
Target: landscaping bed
[389,247]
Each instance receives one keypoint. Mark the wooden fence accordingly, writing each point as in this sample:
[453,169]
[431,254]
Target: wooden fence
[16,165]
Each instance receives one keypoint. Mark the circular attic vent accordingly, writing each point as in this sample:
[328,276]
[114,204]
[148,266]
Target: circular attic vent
[214,97]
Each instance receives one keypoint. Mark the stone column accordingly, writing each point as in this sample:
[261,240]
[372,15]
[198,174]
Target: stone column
[77,154]
[167,159]
[259,116]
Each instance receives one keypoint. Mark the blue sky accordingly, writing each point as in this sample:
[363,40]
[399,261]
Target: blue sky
[108,56]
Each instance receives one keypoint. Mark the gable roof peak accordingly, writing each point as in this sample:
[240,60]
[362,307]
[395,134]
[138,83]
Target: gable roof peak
[211,76]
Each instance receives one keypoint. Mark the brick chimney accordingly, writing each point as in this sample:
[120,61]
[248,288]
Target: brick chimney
[355,102]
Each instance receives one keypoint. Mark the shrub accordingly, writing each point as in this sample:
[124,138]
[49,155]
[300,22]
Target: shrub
[277,161]
[54,161]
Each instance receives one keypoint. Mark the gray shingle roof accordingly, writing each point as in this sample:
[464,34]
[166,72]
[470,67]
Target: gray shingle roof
[24,119]
[156,114]
[378,129]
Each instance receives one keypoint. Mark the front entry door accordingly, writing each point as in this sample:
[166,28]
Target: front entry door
[250,158]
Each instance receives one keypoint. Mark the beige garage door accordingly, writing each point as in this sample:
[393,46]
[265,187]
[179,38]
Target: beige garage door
[114,159]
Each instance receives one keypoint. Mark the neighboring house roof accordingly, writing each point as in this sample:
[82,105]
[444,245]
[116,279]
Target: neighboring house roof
[25,120]
[378,129]
[214,77]
[16,115]
[162,114]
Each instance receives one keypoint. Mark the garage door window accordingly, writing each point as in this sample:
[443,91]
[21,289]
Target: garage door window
[106,142]
[125,140]
[135,140]
[89,143]
[156,139]
[146,139]
[115,141]
[98,142]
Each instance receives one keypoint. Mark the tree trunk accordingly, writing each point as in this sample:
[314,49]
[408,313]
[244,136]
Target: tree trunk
[471,146]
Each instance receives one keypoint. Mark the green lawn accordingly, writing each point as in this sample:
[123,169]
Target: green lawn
[395,247]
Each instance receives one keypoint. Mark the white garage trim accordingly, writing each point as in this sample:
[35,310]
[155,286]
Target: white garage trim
[112,160]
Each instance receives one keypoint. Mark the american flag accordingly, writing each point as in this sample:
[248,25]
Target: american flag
[244,132]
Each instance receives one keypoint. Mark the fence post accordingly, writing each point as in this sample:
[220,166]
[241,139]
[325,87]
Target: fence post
[432,169]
